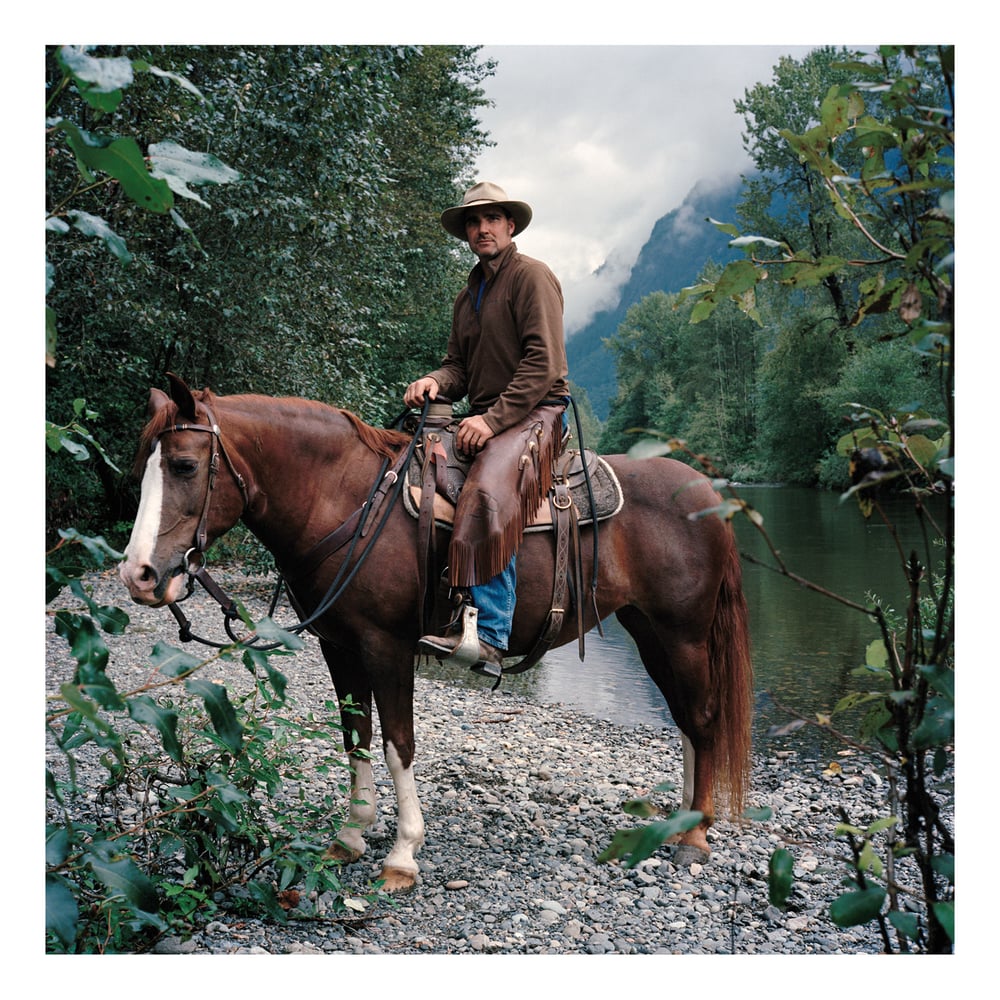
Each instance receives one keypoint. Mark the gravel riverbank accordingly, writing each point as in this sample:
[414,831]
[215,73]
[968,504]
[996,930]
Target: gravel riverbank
[519,798]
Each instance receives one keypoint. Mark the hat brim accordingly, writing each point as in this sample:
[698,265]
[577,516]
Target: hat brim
[453,219]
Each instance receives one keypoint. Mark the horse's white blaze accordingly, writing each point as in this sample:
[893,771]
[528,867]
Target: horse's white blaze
[410,820]
[361,814]
[142,541]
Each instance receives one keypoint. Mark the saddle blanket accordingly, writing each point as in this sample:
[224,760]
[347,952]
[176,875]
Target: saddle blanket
[607,491]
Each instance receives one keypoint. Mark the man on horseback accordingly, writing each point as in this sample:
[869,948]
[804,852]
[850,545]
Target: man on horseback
[507,353]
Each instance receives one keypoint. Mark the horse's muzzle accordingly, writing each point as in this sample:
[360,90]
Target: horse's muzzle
[147,587]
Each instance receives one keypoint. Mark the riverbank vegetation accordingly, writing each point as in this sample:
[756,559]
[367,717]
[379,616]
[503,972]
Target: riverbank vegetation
[870,282]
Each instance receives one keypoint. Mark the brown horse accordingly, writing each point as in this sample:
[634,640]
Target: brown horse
[295,470]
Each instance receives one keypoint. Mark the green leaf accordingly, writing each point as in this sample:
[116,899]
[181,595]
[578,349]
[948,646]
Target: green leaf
[220,710]
[640,843]
[726,227]
[944,864]
[265,895]
[93,225]
[945,913]
[906,923]
[172,662]
[641,808]
[937,727]
[179,167]
[56,845]
[257,658]
[181,81]
[746,241]
[62,915]
[779,877]
[99,80]
[859,907]
[121,874]
[103,74]
[839,111]
[885,823]
[876,655]
[144,710]
[267,629]
[807,274]
[96,546]
[122,159]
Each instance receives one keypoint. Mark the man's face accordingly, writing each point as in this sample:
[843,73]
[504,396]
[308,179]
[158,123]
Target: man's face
[488,230]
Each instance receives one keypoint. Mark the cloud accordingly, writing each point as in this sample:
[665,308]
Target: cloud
[604,140]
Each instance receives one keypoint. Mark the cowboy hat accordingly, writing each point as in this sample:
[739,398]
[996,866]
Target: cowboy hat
[485,193]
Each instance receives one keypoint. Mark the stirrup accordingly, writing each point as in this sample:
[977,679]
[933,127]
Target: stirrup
[465,652]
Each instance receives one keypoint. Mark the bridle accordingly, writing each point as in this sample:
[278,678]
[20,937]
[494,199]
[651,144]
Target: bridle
[218,448]
[357,526]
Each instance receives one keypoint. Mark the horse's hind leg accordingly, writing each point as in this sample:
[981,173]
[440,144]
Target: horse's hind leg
[680,669]
[355,700]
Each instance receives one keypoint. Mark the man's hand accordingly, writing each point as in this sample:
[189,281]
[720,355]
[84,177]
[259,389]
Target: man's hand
[472,434]
[415,392]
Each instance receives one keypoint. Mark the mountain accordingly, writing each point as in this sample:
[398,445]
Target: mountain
[672,258]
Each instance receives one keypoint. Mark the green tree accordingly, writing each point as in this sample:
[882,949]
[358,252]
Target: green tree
[693,382]
[900,203]
[645,347]
[795,425]
[318,273]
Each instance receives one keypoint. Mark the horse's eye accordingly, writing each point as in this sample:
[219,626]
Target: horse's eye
[185,467]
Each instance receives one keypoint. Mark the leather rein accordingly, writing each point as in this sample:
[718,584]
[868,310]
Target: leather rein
[357,526]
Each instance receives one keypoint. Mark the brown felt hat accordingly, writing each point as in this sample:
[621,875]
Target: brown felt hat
[485,193]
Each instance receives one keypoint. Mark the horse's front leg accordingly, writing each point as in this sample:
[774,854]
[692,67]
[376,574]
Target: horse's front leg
[394,699]
[400,870]
[355,699]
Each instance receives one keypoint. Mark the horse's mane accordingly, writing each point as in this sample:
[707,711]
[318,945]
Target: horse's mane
[386,443]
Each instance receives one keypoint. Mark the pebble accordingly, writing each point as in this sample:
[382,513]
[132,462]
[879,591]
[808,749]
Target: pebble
[519,800]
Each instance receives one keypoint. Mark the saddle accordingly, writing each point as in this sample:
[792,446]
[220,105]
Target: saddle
[585,491]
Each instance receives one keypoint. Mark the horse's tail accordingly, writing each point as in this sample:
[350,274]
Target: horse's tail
[732,670]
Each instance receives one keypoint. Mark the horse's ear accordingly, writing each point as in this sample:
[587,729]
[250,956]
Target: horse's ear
[157,400]
[182,396]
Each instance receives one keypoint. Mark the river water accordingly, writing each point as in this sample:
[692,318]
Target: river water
[806,646]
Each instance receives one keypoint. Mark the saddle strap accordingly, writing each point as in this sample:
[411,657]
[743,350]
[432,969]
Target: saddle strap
[566,538]
[433,472]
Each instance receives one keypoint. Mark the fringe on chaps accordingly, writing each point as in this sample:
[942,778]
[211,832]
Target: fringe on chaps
[505,486]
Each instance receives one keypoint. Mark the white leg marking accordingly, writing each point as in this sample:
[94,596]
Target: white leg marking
[410,820]
[361,813]
[688,794]
[142,541]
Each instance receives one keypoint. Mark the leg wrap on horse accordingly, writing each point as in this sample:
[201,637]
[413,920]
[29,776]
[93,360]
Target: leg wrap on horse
[505,486]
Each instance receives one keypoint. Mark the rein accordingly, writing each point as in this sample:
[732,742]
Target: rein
[357,526]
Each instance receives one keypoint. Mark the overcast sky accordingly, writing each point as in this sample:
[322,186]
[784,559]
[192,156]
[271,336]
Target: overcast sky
[602,141]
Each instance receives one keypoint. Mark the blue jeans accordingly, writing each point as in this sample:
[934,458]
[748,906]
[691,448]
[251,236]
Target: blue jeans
[495,602]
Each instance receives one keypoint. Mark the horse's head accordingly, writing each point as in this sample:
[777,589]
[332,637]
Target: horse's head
[189,497]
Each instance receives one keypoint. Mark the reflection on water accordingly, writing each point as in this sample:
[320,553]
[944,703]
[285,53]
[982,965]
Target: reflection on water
[806,645]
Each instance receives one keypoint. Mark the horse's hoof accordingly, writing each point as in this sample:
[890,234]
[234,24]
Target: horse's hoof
[398,881]
[688,854]
[338,852]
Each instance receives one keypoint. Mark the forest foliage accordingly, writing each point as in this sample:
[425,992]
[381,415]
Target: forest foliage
[758,363]
[304,259]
